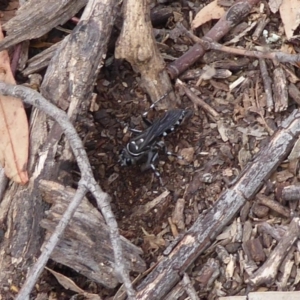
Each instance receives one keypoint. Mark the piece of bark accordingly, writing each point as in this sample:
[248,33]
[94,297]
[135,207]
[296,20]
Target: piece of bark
[266,240]
[254,250]
[245,211]
[208,273]
[274,205]
[267,83]
[35,18]
[290,193]
[267,273]
[207,226]
[276,233]
[137,45]
[247,231]
[85,246]
[223,255]
[294,93]
[22,207]
[280,90]
[231,18]
[260,211]
[178,214]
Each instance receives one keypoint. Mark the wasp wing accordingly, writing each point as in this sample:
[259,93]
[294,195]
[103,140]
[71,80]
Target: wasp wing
[159,127]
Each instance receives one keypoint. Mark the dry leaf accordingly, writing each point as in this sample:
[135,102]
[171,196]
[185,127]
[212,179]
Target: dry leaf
[289,12]
[153,241]
[274,5]
[69,284]
[211,11]
[14,141]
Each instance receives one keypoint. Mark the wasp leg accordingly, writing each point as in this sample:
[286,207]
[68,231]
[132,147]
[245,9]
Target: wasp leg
[162,145]
[152,158]
[135,130]
[157,174]
[145,114]
[146,121]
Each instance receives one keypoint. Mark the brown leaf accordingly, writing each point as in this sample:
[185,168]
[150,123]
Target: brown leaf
[14,141]
[211,11]
[289,11]
[153,241]
[69,284]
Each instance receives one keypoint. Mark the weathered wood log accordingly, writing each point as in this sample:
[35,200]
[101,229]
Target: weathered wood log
[182,253]
[85,246]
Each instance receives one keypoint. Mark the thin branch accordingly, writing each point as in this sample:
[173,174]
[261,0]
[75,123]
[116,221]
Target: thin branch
[197,101]
[32,97]
[209,44]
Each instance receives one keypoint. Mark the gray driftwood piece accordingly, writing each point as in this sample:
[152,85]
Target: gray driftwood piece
[37,17]
[85,246]
[207,226]
[22,208]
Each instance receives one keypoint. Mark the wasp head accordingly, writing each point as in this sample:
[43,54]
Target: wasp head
[125,159]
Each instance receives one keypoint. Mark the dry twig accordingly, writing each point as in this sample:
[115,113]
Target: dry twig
[197,101]
[209,44]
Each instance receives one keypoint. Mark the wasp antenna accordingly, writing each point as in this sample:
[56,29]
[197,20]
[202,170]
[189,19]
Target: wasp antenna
[155,102]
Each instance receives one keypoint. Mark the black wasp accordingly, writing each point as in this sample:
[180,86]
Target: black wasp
[143,148]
